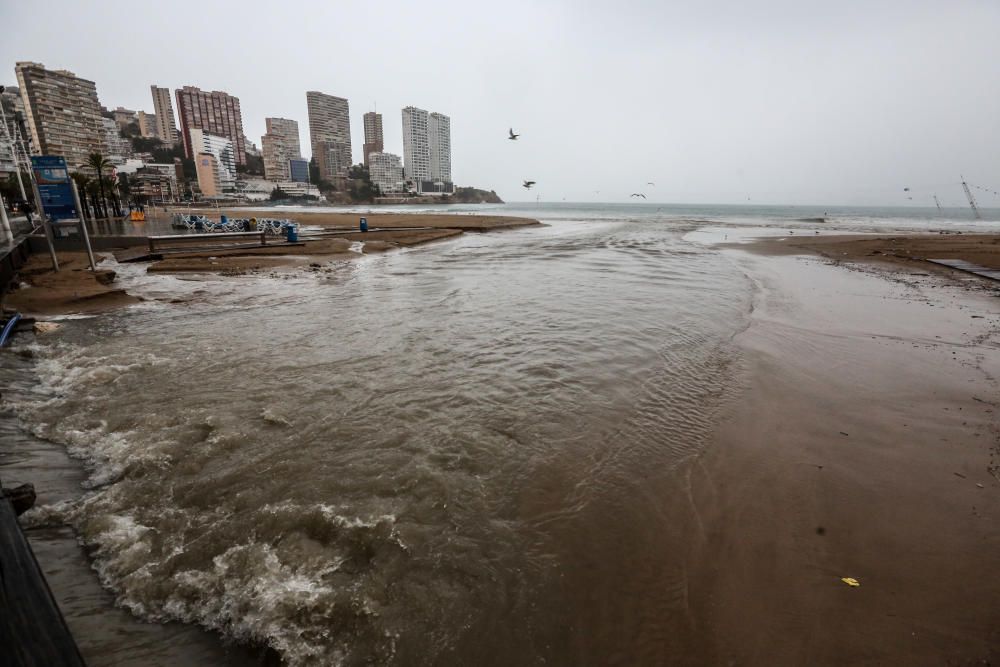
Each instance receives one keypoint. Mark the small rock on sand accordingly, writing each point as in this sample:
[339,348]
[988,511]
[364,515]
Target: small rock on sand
[46,327]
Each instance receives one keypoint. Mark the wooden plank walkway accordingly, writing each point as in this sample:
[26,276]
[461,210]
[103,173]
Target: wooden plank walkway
[32,630]
[968,267]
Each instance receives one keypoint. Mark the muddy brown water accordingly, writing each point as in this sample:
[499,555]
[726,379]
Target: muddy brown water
[465,453]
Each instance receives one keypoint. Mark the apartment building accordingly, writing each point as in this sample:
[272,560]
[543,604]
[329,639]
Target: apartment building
[163,110]
[279,145]
[116,147]
[147,125]
[439,146]
[373,135]
[206,168]
[416,150]
[223,154]
[214,112]
[330,135]
[298,170]
[15,131]
[62,112]
[386,171]
[123,117]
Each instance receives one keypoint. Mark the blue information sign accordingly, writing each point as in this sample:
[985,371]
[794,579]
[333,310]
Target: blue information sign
[54,186]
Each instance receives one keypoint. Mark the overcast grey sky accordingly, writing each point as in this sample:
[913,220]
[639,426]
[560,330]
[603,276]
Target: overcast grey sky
[782,101]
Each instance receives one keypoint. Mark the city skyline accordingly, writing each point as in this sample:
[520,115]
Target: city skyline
[215,116]
[730,103]
[221,111]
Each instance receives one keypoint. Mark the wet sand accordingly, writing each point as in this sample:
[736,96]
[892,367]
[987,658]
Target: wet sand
[866,445]
[74,289]
[910,250]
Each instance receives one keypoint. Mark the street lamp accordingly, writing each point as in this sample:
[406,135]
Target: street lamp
[13,148]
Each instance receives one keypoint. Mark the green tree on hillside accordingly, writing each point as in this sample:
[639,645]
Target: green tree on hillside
[146,144]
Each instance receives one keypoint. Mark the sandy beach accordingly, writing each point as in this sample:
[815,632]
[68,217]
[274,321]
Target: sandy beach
[74,289]
[867,445]
[910,250]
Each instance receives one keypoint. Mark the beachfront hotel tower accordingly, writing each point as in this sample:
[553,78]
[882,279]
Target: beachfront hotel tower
[373,135]
[439,143]
[416,151]
[279,145]
[330,135]
[427,148]
[215,112]
[163,109]
[62,112]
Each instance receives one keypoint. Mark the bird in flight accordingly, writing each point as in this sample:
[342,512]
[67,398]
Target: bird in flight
[528,184]
[638,194]
[651,183]
[513,137]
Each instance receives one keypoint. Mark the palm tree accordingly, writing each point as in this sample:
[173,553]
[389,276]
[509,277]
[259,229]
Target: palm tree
[82,181]
[99,163]
[95,197]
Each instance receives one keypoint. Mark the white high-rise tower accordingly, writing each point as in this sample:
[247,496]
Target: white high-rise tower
[416,150]
[439,142]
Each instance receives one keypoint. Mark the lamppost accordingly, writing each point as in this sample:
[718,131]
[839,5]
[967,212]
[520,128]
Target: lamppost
[13,148]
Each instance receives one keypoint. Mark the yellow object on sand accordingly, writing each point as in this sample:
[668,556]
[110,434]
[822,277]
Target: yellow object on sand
[850,581]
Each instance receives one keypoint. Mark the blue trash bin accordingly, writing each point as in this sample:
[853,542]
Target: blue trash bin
[364,224]
[223,219]
[292,233]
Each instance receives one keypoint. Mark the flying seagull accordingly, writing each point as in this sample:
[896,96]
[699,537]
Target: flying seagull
[638,194]
[528,184]
[513,137]
[651,183]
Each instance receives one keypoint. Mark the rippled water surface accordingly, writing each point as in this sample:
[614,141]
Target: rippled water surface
[464,453]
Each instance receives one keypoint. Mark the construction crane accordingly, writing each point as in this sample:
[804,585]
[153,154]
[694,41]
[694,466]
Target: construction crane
[972,200]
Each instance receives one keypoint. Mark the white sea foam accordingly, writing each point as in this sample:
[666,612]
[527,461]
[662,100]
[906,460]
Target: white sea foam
[272,417]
